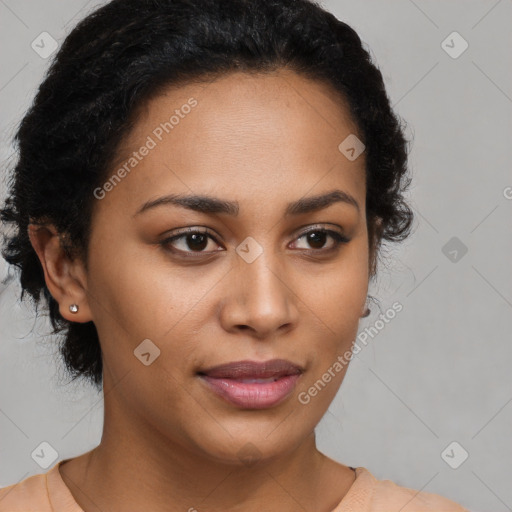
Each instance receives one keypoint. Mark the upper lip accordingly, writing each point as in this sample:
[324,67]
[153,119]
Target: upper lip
[253,369]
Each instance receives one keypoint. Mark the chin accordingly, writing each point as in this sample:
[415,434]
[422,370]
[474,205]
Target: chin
[247,450]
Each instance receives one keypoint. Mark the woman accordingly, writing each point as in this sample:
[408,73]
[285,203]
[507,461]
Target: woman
[202,190]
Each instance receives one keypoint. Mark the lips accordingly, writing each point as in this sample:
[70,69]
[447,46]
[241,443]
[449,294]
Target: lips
[253,370]
[251,384]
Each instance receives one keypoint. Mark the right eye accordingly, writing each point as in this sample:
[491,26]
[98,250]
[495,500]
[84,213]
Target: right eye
[191,240]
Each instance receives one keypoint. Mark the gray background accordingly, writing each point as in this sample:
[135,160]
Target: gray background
[439,372]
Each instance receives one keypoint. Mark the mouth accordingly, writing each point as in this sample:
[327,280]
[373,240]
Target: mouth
[252,384]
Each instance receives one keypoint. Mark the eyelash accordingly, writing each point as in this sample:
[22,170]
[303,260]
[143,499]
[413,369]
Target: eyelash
[338,238]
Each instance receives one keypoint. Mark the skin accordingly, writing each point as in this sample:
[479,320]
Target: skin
[263,141]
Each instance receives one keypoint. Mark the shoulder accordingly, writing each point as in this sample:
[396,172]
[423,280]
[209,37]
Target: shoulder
[387,493]
[26,496]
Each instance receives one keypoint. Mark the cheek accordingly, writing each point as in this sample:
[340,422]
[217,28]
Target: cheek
[337,293]
[337,300]
[135,294]
[135,287]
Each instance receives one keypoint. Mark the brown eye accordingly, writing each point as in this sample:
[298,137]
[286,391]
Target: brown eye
[189,242]
[196,241]
[317,238]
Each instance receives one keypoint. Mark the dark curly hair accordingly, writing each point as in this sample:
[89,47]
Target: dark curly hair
[128,51]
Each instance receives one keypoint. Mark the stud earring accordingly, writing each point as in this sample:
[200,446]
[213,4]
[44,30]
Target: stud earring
[73,308]
[366,313]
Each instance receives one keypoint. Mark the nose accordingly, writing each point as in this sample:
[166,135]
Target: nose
[259,299]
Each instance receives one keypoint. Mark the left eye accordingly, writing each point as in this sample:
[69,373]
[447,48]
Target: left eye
[317,237]
[196,241]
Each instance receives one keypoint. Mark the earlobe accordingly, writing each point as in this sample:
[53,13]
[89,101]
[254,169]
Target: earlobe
[60,273]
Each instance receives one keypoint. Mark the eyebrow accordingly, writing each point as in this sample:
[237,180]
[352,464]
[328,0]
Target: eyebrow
[213,205]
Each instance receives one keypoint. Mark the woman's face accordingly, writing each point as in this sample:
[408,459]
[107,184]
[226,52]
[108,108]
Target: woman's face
[251,285]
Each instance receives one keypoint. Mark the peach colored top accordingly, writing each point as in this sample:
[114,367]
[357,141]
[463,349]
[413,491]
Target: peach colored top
[47,492]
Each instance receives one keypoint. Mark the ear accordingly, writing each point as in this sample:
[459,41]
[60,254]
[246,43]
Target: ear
[65,278]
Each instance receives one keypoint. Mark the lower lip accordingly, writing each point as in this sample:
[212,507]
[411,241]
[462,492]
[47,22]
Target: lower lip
[253,395]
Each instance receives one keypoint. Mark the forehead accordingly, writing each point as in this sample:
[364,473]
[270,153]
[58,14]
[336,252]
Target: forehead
[275,131]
